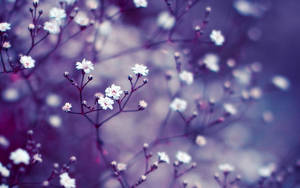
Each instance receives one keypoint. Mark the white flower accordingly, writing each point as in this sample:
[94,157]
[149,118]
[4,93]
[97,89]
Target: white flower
[163,157]
[104,28]
[52,27]
[4,186]
[20,156]
[37,158]
[54,120]
[92,4]
[186,77]
[256,93]
[200,140]
[165,20]
[57,14]
[140,3]
[66,181]
[114,91]
[140,69]
[217,37]
[229,108]
[35,1]
[121,166]
[81,19]
[281,82]
[243,75]
[178,105]
[4,171]
[6,45]
[246,8]
[4,26]
[143,104]
[27,61]
[4,142]
[211,61]
[226,167]
[266,171]
[85,65]
[183,157]
[106,102]
[67,107]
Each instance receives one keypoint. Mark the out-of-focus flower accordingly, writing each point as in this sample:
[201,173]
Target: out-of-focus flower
[178,105]
[200,140]
[3,141]
[67,107]
[256,93]
[114,91]
[217,37]
[242,75]
[105,28]
[140,70]
[4,26]
[247,8]
[121,167]
[4,171]
[226,168]
[165,20]
[53,100]
[6,45]
[106,103]
[186,77]
[92,4]
[58,14]
[268,116]
[37,158]
[11,94]
[163,157]
[183,157]
[66,181]
[54,120]
[281,82]
[266,171]
[4,186]
[143,104]
[85,65]
[140,3]
[27,61]
[229,108]
[35,1]
[82,19]
[211,62]
[20,156]
[52,27]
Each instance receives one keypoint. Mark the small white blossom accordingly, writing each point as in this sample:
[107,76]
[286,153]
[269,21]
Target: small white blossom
[4,142]
[143,104]
[106,103]
[4,171]
[20,156]
[92,4]
[121,166]
[178,105]
[200,140]
[6,45]
[226,167]
[105,28]
[4,186]
[4,26]
[281,82]
[163,157]
[35,1]
[85,65]
[140,69]
[27,61]
[211,61]
[37,158]
[66,181]
[114,91]
[266,171]
[165,20]
[140,3]
[52,27]
[57,14]
[183,157]
[246,8]
[82,19]
[186,77]
[229,108]
[67,107]
[217,37]
[256,93]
